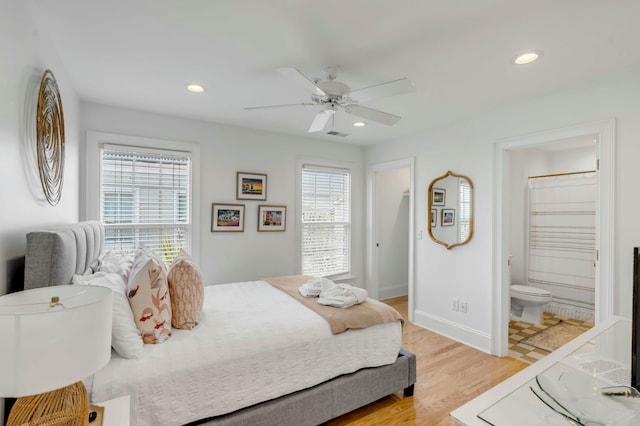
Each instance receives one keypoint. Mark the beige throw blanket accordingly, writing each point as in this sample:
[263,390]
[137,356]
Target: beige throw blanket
[366,314]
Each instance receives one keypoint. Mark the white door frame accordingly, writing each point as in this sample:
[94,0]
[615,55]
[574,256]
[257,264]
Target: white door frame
[372,232]
[605,238]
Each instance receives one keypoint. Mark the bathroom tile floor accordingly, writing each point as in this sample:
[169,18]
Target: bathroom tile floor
[519,330]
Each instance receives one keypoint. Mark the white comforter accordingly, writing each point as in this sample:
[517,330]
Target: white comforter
[254,343]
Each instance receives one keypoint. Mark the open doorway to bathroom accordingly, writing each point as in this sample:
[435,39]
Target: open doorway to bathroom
[552,245]
[571,260]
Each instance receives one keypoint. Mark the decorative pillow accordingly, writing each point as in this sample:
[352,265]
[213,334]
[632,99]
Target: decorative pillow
[125,337]
[187,291]
[148,293]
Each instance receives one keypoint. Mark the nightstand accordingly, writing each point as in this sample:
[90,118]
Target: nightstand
[116,411]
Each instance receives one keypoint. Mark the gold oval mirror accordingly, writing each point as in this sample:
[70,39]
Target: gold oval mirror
[450,221]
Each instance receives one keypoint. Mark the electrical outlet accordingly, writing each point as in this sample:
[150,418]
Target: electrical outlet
[455,304]
[463,306]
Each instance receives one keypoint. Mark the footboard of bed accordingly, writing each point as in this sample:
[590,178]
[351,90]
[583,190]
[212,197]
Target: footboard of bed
[330,399]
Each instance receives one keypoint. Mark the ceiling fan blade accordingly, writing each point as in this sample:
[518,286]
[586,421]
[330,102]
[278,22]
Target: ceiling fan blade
[390,88]
[281,106]
[302,80]
[372,114]
[320,121]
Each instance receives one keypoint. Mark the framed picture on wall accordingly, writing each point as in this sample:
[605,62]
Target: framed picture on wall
[227,217]
[448,217]
[251,186]
[438,197]
[434,218]
[272,218]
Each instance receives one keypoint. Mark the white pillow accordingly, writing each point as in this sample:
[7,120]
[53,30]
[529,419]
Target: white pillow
[114,263]
[125,337]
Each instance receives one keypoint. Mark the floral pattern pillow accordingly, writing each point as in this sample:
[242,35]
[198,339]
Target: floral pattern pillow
[186,290]
[149,298]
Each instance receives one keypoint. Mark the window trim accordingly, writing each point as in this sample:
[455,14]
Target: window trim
[468,203]
[90,206]
[327,164]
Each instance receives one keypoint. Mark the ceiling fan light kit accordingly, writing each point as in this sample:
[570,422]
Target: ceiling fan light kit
[333,95]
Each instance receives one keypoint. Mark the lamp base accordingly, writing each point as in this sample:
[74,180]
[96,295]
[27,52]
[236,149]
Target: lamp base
[68,406]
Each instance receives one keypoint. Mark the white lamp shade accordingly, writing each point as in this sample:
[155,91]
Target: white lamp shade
[46,348]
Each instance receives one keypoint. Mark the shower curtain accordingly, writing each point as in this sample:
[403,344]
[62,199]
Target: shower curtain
[562,242]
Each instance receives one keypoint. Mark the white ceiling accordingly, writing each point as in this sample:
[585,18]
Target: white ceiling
[139,54]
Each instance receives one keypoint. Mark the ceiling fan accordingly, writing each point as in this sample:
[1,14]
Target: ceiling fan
[332,94]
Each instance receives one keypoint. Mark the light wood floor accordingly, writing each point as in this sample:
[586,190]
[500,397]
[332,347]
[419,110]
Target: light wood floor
[448,375]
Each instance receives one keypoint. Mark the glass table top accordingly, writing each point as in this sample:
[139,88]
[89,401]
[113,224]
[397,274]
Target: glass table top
[571,390]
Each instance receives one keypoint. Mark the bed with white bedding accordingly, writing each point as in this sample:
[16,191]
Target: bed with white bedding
[258,356]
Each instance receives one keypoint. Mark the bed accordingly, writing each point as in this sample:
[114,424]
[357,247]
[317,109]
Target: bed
[231,369]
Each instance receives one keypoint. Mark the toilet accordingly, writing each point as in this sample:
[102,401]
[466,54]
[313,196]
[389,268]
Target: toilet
[527,303]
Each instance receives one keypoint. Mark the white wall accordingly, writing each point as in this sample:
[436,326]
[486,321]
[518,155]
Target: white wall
[392,208]
[25,56]
[572,160]
[225,150]
[467,147]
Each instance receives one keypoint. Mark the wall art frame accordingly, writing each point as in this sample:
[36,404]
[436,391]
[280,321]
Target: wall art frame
[227,217]
[448,217]
[272,218]
[251,186]
[438,196]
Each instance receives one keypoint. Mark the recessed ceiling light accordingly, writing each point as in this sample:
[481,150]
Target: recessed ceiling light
[527,57]
[359,124]
[195,87]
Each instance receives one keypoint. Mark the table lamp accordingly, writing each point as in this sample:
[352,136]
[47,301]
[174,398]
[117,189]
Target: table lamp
[53,338]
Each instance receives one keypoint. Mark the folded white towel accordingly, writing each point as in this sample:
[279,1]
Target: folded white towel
[315,286]
[343,296]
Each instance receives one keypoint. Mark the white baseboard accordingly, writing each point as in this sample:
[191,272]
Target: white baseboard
[460,333]
[393,291]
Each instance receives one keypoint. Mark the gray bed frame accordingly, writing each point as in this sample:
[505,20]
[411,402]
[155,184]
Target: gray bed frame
[54,255]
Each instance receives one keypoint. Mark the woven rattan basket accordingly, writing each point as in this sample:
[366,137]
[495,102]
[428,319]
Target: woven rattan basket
[68,406]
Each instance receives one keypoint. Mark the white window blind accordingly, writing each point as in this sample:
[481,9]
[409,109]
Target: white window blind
[146,198]
[326,221]
[464,207]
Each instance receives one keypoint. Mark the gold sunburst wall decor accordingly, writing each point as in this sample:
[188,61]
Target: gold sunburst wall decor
[50,138]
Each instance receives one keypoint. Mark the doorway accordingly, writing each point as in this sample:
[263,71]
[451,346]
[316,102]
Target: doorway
[506,152]
[390,229]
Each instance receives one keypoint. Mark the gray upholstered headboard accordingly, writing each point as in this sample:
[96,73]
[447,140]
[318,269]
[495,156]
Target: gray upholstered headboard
[54,255]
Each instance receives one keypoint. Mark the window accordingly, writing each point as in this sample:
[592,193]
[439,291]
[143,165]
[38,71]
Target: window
[145,198]
[326,220]
[464,202]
